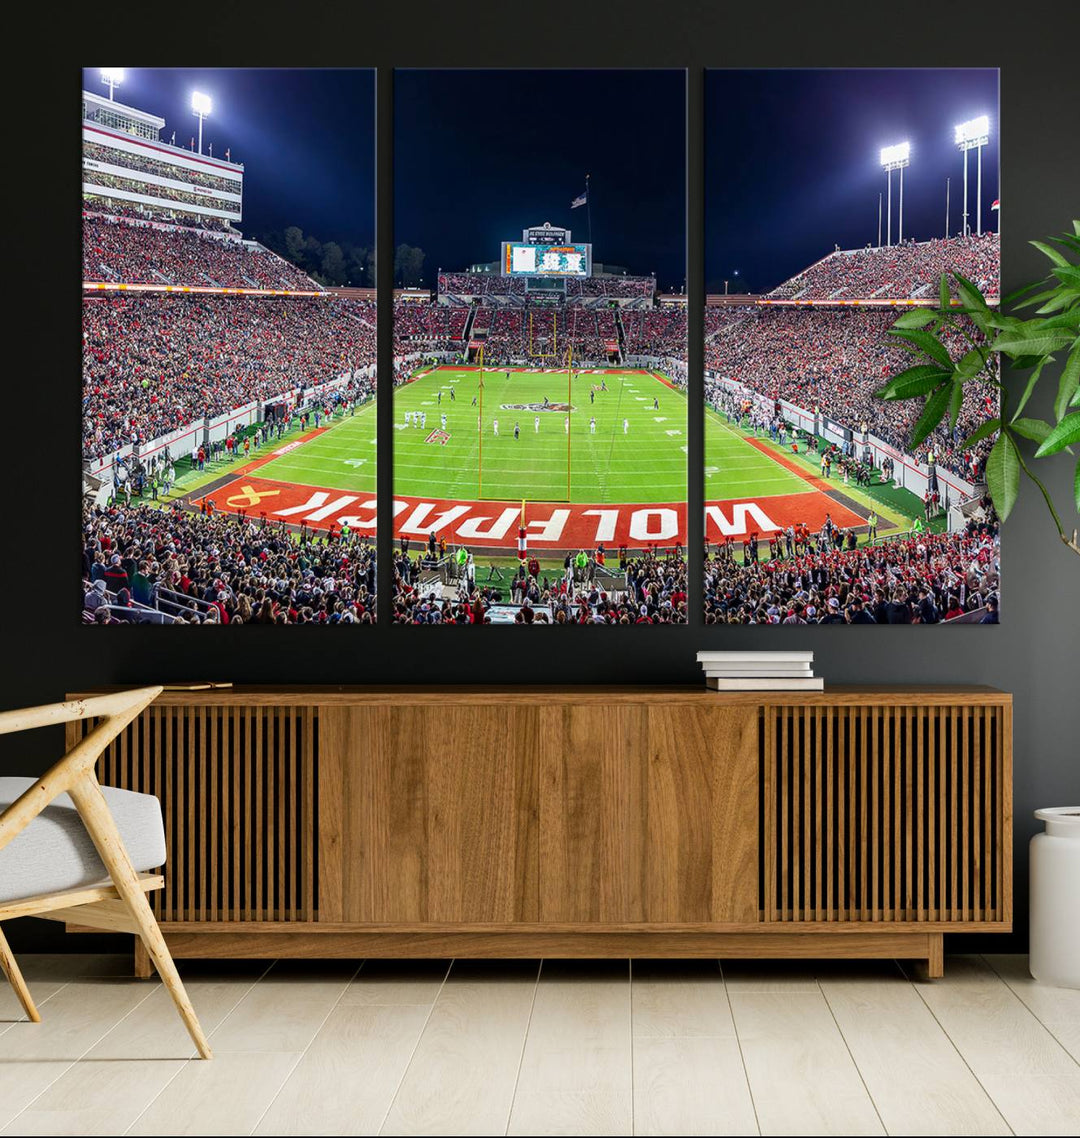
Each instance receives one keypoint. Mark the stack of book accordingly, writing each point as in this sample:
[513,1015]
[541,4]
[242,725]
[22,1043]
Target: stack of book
[760,671]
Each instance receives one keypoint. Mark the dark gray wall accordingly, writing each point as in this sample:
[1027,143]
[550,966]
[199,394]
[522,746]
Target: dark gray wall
[1033,654]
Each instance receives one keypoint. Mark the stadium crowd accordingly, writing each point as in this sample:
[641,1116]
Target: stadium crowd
[598,287]
[109,155]
[107,207]
[652,591]
[898,271]
[153,362]
[149,254]
[220,569]
[921,579]
[835,359]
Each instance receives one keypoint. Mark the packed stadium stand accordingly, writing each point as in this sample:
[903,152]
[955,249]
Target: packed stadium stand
[150,253]
[648,587]
[142,565]
[911,270]
[835,359]
[921,579]
[155,360]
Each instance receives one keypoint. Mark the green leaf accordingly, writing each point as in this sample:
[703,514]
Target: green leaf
[915,318]
[944,295]
[980,433]
[1064,434]
[1069,384]
[1049,251]
[956,400]
[969,365]
[1068,274]
[1032,380]
[974,303]
[1003,475]
[925,343]
[914,381]
[1034,429]
[1063,298]
[933,413]
[1012,297]
[1033,343]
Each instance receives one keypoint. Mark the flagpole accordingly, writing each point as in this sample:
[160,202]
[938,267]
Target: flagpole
[588,205]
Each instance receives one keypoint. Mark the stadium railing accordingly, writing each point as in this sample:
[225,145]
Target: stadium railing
[171,602]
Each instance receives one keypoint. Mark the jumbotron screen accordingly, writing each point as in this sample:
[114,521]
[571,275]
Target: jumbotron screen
[521,260]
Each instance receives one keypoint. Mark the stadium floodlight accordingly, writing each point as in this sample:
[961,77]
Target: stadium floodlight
[895,158]
[112,77]
[973,135]
[201,105]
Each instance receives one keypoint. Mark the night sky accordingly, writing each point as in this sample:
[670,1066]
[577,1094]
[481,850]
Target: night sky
[306,138]
[792,162]
[480,155]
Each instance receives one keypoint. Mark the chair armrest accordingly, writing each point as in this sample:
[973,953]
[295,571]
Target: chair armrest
[101,706]
[116,712]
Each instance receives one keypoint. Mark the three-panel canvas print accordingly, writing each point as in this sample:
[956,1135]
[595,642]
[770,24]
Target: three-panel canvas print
[543,399]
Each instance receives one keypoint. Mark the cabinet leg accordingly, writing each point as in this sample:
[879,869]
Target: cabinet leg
[935,963]
[143,968]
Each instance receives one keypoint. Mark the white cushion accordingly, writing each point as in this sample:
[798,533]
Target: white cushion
[55,852]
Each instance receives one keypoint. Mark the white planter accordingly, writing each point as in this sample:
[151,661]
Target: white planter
[1055,898]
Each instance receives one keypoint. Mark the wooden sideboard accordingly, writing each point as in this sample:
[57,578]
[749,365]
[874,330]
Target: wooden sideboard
[576,821]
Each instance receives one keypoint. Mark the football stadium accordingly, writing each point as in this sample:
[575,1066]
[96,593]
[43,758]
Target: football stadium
[539,414]
[228,398]
[818,510]
[540,442]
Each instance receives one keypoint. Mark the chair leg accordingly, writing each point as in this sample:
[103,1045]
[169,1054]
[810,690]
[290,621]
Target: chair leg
[15,979]
[106,838]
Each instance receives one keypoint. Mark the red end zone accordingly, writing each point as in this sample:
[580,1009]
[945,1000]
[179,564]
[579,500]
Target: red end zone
[551,525]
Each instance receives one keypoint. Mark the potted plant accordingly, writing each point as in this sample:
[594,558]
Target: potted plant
[1031,345]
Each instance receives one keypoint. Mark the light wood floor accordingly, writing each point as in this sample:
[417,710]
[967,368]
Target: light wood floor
[564,1048]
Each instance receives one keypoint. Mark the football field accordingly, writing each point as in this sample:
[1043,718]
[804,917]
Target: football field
[605,462]
[752,483]
[342,457]
[623,444]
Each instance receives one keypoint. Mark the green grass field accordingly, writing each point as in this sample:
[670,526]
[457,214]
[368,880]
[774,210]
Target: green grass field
[342,458]
[735,470]
[645,464]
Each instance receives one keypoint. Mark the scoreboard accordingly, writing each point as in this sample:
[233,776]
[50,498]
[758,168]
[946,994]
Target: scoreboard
[523,260]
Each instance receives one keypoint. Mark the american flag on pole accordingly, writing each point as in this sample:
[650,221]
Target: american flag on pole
[581,199]
[997,204]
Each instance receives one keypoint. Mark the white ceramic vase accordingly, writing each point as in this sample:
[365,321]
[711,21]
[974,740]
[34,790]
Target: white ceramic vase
[1055,898]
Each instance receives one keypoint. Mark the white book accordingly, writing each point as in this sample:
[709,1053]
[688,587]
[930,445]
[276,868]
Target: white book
[766,684]
[755,667]
[774,671]
[755,657]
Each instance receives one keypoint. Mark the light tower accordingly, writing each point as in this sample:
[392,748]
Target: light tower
[973,135]
[201,105]
[895,158]
[112,77]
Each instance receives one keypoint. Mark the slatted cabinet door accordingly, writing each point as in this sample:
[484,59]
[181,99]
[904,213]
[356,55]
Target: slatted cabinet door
[238,792]
[887,813]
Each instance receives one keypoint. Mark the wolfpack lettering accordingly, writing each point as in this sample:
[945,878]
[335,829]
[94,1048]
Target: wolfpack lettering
[473,528]
[417,522]
[354,521]
[665,527]
[605,527]
[552,529]
[321,509]
[740,516]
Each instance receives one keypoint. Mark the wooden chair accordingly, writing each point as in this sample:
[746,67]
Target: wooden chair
[111,891]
